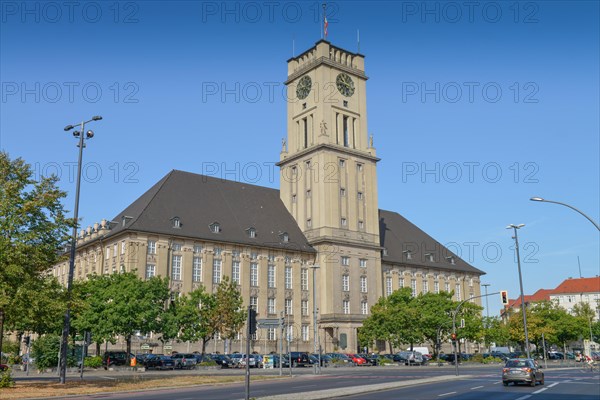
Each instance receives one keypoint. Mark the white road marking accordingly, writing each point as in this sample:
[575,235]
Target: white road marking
[446,394]
[554,384]
[524,397]
[476,387]
[496,383]
[540,391]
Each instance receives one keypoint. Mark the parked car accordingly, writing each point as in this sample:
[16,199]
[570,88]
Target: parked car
[340,358]
[184,360]
[357,359]
[159,362]
[222,360]
[112,358]
[325,359]
[522,370]
[239,360]
[284,364]
[411,358]
[299,359]
[372,359]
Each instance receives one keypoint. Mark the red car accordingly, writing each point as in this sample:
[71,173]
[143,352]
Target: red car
[357,360]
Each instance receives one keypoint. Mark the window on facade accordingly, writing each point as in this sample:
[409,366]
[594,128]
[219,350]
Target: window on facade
[251,233]
[288,260]
[388,285]
[176,223]
[253,255]
[271,306]
[197,248]
[305,333]
[364,308]
[271,276]
[151,247]
[413,287]
[344,222]
[360,195]
[254,302]
[425,285]
[293,198]
[346,306]
[401,282]
[176,268]
[215,227]
[309,223]
[458,294]
[217,251]
[115,249]
[253,274]
[308,193]
[150,271]
[271,334]
[362,263]
[123,246]
[304,279]
[361,225]
[235,272]
[197,269]
[436,287]
[289,332]
[363,284]
[304,308]
[217,271]
[288,277]
[345,260]
[342,192]
[176,246]
[359,167]
[342,162]
[288,306]
[447,287]
[174,296]
[345,283]
[285,237]
[107,252]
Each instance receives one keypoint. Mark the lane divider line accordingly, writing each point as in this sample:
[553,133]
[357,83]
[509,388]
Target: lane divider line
[524,397]
[446,394]
[476,387]
[540,391]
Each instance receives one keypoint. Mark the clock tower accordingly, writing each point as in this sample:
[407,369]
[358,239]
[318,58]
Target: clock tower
[328,182]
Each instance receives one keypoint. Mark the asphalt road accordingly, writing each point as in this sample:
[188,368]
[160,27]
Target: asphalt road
[475,383]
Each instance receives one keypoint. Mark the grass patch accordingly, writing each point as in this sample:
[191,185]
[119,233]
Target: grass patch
[28,390]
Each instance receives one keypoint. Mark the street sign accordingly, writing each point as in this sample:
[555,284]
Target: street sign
[145,347]
[167,347]
[266,323]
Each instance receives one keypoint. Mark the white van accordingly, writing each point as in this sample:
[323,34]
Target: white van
[422,350]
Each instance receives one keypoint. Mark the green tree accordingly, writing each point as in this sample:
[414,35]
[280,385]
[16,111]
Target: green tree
[230,314]
[33,228]
[495,331]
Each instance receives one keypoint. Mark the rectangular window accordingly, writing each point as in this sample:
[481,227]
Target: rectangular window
[288,277]
[176,246]
[346,306]
[309,223]
[176,268]
[342,192]
[345,260]
[123,246]
[345,127]
[150,271]
[272,334]
[271,276]
[425,286]
[345,283]
[151,247]
[217,271]
[388,285]
[344,222]
[364,308]
[197,248]
[115,250]
[360,195]
[458,294]
[362,263]
[289,332]
[235,272]
[288,306]
[359,167]
[107,252]
[305,333]
[253,274]
[447,287]
[401,282]
[305,124]
[254,302]
[271,306]
[304,279]
[197,269]
[304,306]
[413,287]
[436,287]
[363,284]
[217,251]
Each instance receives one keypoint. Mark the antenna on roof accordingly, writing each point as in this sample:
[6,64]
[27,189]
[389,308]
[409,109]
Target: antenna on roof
[578,263]
[358,41]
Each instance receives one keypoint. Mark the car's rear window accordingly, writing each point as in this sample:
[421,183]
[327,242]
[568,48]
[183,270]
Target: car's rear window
[517,364]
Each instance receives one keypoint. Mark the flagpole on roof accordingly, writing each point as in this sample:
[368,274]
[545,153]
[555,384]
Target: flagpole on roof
[324,21]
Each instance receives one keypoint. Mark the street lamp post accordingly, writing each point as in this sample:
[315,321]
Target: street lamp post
[317,368]
[487,308]
[516,237]
[566,205]
[67,319]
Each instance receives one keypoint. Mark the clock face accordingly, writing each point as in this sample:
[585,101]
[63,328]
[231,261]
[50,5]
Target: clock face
[345,84]
[303,88]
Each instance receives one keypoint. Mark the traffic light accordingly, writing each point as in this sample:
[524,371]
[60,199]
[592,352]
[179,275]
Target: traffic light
[453,336]
[252,321]
[504,297]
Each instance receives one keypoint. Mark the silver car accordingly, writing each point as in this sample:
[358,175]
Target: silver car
[184,361]
[522,370]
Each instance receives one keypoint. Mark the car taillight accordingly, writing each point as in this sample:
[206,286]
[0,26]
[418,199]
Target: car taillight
[505,369]
[526,369]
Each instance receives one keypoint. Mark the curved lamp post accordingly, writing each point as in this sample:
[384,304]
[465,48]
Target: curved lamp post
[566,205]
[515,227]
[80,136]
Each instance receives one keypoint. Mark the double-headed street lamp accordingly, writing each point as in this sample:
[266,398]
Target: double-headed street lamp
[317,368]
[515,227]
[566,205]
[67,321]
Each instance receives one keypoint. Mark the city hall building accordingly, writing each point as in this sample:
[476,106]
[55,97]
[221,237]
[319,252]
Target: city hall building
[320,238]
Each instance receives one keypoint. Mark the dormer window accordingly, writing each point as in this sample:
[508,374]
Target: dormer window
[176,222]
[215,227]
[429,257]
[408,254]
[451,260]
[285,237]
[384,252]
[251,233]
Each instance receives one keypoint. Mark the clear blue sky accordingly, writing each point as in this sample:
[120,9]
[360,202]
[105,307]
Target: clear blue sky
[473,110]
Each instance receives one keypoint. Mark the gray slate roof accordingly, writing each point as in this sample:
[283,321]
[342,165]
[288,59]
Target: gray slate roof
[398,235]
[199,201]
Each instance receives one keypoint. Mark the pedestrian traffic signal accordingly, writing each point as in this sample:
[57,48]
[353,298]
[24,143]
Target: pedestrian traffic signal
[504,297]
